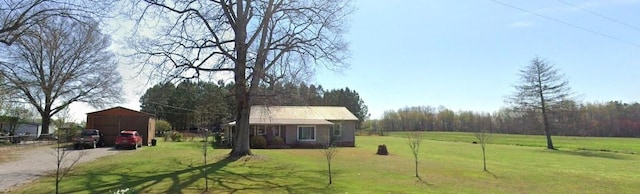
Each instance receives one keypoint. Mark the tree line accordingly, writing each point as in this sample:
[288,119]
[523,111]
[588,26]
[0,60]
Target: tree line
[189,104]
[609,119]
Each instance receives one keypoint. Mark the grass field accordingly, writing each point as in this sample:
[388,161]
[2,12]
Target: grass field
[613,144]
[449,163]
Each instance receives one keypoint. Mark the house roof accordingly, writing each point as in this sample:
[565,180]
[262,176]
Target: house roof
[255,121]
[302,112]
[299,115]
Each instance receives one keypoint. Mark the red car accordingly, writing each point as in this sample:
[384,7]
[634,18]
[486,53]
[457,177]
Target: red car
[128,139]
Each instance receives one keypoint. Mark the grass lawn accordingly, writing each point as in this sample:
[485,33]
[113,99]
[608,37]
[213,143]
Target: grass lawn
[612,144]
[447,165]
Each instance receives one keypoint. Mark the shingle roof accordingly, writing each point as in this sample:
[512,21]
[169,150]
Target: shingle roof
[301,112]
[298,115]
[255,121]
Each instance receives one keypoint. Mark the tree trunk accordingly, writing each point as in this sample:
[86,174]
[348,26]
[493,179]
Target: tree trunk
[58,163]
[545,117]
[46,121]
[547,127]
[484,158]
[330,178]
[416,158]
[241,144]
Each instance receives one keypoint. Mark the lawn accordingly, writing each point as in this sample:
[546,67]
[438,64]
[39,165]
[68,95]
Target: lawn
[612,144]
[447,165]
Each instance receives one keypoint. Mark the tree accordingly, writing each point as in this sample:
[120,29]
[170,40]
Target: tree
[205,143]
[18,17]
[64,62]
[257,41]
[349,99]
[156,100]
[541,87]
[212,106]
[483,136]
[163,126]
[414,139]
[177,105]
[329,151]
[63,167]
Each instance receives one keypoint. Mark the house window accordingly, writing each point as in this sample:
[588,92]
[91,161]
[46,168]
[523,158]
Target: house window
[260,130]
[306,133]
[336,129]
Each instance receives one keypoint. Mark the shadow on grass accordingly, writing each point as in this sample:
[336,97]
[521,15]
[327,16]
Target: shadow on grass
[585,153]
[254,178]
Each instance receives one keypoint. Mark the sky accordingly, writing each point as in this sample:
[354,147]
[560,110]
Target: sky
[465,55]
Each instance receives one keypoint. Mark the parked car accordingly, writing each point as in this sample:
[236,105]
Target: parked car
[88,138]
[128,139]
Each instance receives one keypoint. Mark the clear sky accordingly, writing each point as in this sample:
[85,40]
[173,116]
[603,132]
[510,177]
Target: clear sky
[465,55]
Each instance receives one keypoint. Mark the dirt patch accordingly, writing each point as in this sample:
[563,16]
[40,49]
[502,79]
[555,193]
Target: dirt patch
[9,152]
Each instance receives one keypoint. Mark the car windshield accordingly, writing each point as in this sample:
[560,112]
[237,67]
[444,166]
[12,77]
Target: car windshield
[89,133]
[126,135]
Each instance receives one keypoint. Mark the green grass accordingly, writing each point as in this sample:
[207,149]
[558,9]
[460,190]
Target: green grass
[448,165]
[610,144]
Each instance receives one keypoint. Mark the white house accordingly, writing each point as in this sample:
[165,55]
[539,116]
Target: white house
[32,129]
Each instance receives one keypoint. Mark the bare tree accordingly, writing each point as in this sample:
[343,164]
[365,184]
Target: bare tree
[483,136]
[329,151]
[414,139]
[259,42]
[65,159]
[64,62]
[205,144]
[17,17]
[541,87]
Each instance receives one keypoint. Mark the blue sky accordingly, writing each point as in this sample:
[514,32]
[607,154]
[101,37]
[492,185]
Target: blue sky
[465,55]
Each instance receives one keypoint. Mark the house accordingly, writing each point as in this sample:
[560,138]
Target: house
[302,125]
[12,125]
[111,121]
[32,129]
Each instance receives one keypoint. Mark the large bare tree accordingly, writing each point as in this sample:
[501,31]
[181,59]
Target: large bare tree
[258,41]
[64,61]
[17,17]
[541,88]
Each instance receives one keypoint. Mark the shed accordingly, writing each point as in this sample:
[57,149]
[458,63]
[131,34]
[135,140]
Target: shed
[111,121]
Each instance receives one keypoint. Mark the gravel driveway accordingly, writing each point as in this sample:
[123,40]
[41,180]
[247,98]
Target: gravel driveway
[30,164]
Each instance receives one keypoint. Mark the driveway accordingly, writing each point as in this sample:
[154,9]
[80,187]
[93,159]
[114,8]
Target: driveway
[30,164]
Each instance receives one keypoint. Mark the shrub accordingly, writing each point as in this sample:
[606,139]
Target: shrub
[277,141]
[162,126]
[176,136]
[166,136]
[258,141]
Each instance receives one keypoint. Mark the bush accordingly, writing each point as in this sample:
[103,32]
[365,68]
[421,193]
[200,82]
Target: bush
[176,136]
[162,126]
[277,141]
[258,141]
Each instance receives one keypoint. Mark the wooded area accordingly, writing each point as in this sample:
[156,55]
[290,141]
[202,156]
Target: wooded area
[610,119]
[196,104]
